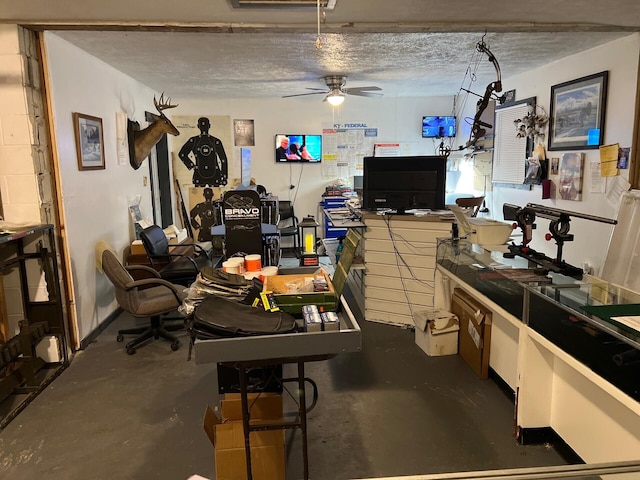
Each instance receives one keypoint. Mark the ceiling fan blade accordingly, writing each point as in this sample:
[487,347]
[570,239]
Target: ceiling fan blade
[303,94]
[360,93]
[370,88]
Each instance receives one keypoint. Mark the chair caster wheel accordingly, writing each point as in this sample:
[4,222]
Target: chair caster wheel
[131,350]
[175,345]
[119,338]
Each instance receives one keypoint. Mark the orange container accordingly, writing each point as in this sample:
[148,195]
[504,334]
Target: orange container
[253,263]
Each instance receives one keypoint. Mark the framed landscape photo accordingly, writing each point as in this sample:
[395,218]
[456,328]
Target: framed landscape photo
[89,141]
[577,113]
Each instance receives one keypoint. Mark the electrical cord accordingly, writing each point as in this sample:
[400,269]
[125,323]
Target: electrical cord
[401,260]
[291,185]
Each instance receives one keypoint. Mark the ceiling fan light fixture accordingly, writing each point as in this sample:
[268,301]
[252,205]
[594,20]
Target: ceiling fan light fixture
[335,98]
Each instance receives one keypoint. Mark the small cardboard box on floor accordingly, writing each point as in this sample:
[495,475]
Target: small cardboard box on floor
[437,332]
[227,436]
[475,331]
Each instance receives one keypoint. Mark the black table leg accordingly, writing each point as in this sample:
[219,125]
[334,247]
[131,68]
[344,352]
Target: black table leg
[245,419]
[302,410]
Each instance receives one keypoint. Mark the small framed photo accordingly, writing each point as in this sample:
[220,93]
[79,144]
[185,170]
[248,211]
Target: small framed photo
[577,113]
[243,133]
[89,141]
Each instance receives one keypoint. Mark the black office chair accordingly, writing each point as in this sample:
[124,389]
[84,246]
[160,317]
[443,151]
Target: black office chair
[470,205]
[243,232]
[288,223]
[148,297]
[180,268]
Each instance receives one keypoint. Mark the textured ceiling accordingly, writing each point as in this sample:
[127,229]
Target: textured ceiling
[275,64]
[205,48]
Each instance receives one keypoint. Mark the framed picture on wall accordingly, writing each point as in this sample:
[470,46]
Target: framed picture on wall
[577,113]
[89,141]
[571,172]
[243,133]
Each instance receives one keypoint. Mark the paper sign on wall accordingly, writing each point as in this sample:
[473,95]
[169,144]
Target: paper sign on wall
[609,160]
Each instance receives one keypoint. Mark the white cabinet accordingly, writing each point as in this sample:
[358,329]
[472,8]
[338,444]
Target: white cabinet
[400,259]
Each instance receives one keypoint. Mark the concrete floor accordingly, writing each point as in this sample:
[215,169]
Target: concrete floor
[389,410]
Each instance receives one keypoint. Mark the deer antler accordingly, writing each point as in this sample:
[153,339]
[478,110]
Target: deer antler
[163,104]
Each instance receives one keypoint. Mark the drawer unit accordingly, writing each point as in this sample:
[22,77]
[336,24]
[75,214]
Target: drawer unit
[328,203]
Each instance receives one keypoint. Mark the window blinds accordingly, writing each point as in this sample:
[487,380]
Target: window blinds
[509,151]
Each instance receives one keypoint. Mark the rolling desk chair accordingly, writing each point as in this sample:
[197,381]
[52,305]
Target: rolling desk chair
[181,269]
[149,297]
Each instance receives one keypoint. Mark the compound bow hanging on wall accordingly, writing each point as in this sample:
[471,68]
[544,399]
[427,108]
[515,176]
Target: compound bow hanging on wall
[478,128]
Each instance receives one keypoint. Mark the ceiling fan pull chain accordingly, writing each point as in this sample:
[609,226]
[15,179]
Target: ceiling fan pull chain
[318,39]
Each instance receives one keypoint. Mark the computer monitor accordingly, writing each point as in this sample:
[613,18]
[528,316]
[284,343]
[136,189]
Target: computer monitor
[404,183]
[438,126]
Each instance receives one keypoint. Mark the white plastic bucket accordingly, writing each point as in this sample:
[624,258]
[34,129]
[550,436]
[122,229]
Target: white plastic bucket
[230,267]
[234,265]
[269,271]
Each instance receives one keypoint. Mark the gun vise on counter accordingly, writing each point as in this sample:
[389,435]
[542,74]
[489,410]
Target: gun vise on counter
[558,230]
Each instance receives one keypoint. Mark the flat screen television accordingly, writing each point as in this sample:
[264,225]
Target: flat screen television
[437,127]
[298,148]
[404,183]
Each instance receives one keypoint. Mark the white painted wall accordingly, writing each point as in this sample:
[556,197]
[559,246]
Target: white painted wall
[397,120]
[95,201]
[620,58]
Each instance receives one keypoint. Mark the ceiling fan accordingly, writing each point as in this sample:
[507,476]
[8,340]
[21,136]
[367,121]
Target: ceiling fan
[337,90]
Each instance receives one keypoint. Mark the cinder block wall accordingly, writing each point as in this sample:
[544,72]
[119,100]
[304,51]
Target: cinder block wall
[25,175]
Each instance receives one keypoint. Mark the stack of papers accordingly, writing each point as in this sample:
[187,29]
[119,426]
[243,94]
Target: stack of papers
[631,322]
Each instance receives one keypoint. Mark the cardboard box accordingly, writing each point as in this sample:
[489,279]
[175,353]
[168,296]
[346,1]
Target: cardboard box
[264,406]
[437,332]
[137,248]
[475,331]
[267,463]
[227,436]
[290,302]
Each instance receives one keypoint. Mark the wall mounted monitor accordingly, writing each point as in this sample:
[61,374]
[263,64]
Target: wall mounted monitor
[438,127]
[296,147]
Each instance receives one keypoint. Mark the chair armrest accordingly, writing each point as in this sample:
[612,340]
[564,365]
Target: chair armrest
[143,268]
[195,245]
[154,282]
[193,262]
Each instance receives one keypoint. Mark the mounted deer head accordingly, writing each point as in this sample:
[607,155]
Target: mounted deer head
[142,141]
